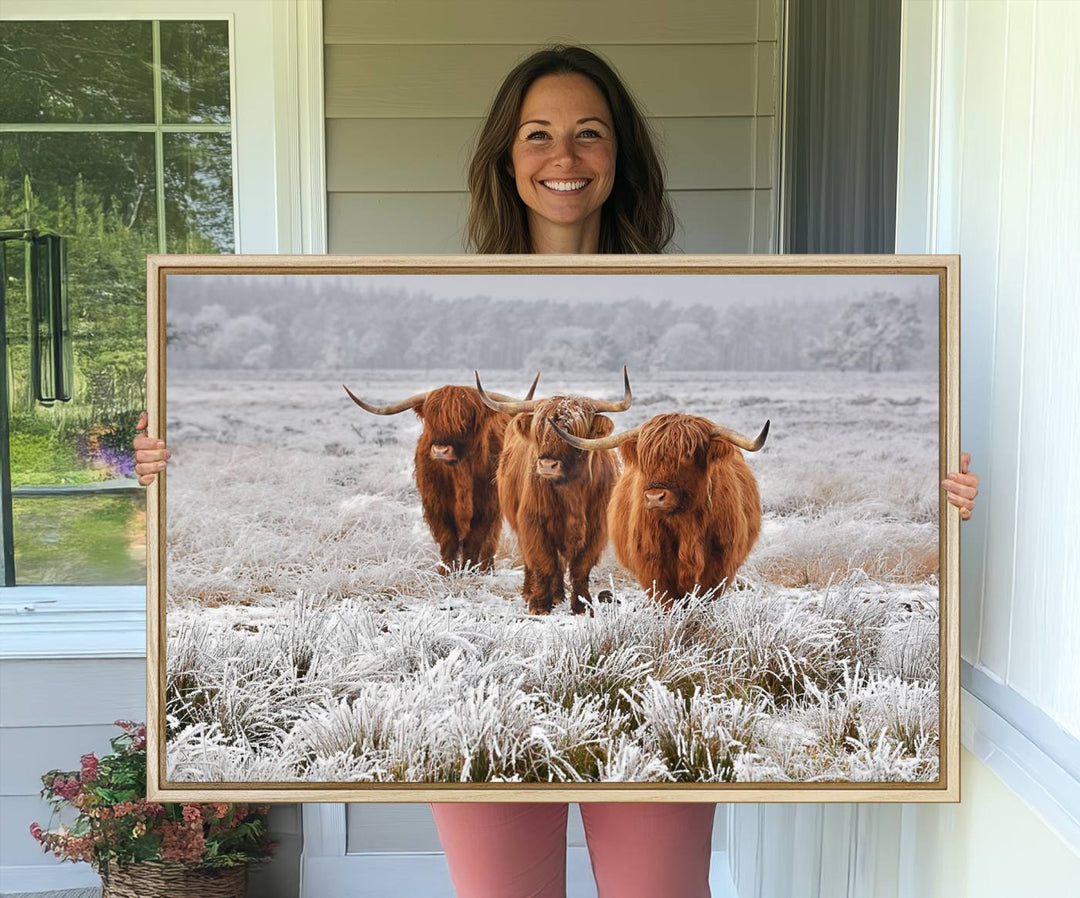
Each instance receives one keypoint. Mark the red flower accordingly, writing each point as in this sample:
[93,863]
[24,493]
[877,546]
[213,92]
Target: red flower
[150,808]
[65,788]
[181,842]
[36,831]
[192,814]
[218,809]
[89,768]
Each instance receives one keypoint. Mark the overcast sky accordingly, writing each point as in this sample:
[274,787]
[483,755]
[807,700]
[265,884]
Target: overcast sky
[683,289]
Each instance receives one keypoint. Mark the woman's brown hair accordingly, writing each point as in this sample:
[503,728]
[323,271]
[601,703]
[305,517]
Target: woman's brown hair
[636,218]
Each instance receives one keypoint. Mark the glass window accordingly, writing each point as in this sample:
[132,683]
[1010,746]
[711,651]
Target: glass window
[66,72]
[117,136]
[198,193]
[195,71]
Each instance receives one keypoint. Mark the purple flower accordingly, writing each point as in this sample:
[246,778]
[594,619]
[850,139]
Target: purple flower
[120,462]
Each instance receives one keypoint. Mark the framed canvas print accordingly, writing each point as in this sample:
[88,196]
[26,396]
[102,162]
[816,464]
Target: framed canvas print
[554,528]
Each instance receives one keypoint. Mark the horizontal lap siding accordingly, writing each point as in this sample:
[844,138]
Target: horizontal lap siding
[379,155]
[53,712]
[524,22]
[459,81]
[408,83]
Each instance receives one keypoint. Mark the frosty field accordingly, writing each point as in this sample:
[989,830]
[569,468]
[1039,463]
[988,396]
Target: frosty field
[311,637]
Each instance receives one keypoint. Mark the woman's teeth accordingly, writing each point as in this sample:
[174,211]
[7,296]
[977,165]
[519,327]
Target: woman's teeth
[564,186]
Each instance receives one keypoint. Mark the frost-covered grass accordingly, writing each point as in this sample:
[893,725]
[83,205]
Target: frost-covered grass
[312,638]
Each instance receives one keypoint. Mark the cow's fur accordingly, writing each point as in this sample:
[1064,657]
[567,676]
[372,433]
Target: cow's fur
[461,505]
[704,540]
[560,524]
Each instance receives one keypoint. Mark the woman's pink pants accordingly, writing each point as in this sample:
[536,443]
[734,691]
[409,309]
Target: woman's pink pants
[638,850]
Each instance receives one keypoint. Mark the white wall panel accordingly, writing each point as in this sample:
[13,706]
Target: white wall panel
[1013,230]
[979,83]
[1005,177]
[1046,625]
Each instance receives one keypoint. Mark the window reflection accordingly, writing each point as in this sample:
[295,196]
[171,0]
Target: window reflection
[78,514]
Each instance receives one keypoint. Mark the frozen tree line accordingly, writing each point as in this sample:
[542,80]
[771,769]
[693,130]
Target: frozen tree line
[328,331]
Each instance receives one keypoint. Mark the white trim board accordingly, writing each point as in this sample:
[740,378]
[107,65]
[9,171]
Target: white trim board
[1023,766]
[72,622]
[1040,729]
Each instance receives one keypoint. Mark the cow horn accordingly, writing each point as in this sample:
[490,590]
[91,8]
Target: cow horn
[619,405]
[532,389]
[393,409]
[608,442]
[750,445]
[511,406]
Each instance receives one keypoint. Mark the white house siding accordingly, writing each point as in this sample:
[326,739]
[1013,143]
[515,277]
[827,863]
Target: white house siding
[408,83]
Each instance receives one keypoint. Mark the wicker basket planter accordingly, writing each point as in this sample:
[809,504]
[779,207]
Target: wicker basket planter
[149,880]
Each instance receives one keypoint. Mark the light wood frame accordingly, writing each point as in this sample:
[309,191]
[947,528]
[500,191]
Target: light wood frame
[945,789]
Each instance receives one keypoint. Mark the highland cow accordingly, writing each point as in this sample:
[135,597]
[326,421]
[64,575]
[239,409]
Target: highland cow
[686,510]
[555,497]
[455,463]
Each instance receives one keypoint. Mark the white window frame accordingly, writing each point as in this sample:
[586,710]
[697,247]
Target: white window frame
[279,201]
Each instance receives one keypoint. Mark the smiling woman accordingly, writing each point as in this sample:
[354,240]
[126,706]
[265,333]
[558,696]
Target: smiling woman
[563,162]
[560,118]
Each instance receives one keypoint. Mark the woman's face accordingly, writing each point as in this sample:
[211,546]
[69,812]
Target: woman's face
[563,154]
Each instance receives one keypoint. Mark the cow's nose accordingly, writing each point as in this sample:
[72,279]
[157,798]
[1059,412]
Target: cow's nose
[656,498]
[548,467]
[442,452]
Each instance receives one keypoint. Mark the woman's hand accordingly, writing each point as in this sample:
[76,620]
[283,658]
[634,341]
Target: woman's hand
[962,488]
[150,454]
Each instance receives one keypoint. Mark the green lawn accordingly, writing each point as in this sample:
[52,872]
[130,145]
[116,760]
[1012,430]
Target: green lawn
[82,539]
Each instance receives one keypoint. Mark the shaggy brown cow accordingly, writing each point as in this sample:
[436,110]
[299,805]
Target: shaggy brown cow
[455,458]
[686,510]
[556,497]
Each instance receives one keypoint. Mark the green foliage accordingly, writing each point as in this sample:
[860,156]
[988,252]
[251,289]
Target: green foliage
[102,538]
[117,825]
[40,458]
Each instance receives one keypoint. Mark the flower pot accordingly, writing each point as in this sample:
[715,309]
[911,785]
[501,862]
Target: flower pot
[174,881]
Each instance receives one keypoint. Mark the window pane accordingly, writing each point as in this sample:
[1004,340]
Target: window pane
[81,540]
[98,191]
[195,71]
[76,72]
[198,193]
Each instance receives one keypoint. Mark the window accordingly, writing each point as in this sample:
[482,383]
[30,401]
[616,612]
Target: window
[118,136]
